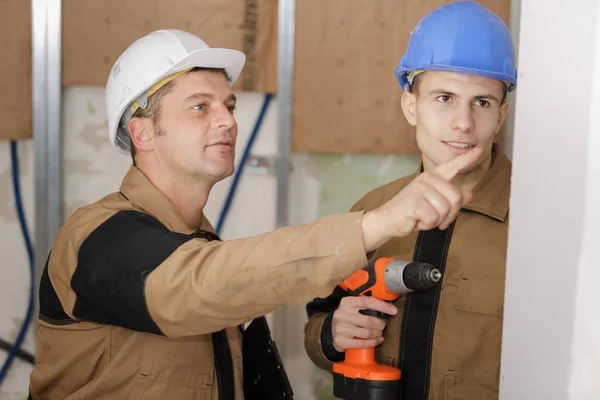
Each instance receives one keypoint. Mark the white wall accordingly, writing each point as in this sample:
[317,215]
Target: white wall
[551,323]
[585,349]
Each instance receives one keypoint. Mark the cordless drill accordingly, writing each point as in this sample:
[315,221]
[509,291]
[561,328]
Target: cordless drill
[359,377]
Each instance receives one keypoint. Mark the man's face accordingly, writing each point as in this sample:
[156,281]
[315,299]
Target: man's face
[196,131]
[454,112]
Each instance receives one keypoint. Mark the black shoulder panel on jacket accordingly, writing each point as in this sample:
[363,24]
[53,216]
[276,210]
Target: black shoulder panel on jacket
[113,264]
[51,310]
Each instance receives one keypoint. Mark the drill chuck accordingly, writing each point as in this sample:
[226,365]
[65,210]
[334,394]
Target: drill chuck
[408,276]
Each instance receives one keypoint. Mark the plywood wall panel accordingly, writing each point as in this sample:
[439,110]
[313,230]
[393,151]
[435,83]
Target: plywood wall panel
[346,97]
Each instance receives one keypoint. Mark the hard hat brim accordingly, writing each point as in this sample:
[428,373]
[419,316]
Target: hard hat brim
[401,72]
[231,60]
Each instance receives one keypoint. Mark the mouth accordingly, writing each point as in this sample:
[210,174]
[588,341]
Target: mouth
[459,147]
[223,145]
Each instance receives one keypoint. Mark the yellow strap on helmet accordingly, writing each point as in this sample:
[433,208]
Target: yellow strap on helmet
[135,105]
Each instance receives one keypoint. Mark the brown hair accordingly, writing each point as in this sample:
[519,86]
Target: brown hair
[152,110]
[414,87]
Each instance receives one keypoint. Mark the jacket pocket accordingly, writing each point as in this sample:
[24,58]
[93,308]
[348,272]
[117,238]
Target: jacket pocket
[481,295]
[151,388]
[470,387]
[175,368]
[478,312]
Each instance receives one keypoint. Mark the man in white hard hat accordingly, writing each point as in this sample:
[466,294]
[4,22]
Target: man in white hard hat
[139,298]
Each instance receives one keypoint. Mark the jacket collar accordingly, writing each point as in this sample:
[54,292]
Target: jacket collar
[491,196]
[138,189]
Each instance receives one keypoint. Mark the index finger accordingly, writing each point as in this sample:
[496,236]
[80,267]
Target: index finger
[450,169]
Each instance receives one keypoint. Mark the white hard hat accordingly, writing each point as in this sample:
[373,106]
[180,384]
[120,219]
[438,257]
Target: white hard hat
[153,58]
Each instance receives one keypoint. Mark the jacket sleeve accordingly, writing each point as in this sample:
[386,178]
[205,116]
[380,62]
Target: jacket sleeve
[131,271]
[318,338]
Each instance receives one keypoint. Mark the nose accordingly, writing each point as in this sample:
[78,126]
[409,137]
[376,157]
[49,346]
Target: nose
[223,118]
[463,118]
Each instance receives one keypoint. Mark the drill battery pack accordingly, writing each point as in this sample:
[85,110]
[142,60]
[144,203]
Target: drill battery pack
[363,389]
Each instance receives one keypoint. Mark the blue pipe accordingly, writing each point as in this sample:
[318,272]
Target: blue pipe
[29,246]
[239,170]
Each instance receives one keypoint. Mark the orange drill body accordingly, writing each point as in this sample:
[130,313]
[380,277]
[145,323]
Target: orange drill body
[359,376]
[370,282]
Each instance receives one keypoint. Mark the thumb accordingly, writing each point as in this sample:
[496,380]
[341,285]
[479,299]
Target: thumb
[467,197]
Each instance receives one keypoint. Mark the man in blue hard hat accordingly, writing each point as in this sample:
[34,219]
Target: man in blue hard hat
[457,70]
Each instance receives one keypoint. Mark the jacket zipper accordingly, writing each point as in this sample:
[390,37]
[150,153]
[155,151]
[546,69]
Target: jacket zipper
[223,366]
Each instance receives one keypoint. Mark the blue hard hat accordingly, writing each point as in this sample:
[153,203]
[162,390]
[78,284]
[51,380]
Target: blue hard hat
[463,37]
